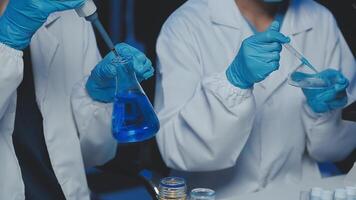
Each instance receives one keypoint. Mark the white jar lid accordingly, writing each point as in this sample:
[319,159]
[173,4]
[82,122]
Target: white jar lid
[316,192]
[351,190]
[87,9]
[340,193]
[327,195]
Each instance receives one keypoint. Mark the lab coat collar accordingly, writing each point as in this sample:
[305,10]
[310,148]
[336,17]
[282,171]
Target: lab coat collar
[51,43]
[51,18]
[225,12]
[296,20]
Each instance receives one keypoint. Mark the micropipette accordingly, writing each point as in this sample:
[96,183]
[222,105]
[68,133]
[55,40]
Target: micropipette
[293,51]
[88,11]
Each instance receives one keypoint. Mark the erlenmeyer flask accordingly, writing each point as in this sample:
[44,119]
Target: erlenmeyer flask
[133,117]
[306,78]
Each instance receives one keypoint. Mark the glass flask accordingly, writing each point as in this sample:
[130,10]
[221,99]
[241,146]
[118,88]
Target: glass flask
[172,188]
[304,77]
[202,194]
[133,117]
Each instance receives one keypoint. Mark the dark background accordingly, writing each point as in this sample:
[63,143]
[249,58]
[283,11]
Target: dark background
[138,23]
[149,16]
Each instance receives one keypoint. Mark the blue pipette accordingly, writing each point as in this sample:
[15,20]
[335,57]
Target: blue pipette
[89,11]
[293,51]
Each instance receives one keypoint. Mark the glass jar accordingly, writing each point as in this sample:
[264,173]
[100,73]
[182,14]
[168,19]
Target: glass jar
[172,188]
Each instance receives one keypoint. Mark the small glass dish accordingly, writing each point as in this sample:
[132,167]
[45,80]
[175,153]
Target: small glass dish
[202,194]
[304,77]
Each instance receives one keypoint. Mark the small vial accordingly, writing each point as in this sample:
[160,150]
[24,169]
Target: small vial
[172,188]
[304,195]
[327,195]
[351,193]
[202,194]
[315,193]
[340,194]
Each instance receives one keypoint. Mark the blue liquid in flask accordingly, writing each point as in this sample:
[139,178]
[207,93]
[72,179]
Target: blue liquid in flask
[134,119]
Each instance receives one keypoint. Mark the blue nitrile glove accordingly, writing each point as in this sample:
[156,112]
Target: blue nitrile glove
[101,84]
[22,18]
[331,98]
[257,57]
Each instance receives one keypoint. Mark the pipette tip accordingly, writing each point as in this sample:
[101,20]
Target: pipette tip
[115,52]
[307,63]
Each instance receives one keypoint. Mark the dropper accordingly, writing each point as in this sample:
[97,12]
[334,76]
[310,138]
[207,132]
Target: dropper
[293,51]
[89,11]
[94,19]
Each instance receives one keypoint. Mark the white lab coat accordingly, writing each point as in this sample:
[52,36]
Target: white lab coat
[63,52]
[239,141]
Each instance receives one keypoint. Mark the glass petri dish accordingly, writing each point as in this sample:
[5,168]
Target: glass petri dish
[202,194]
[306,78]
[308,81]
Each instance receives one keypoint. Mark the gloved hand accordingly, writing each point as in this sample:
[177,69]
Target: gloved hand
[257,58]
[22,18]
[101,84]
[334,97]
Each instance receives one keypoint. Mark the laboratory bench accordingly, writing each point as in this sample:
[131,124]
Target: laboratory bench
[291,191]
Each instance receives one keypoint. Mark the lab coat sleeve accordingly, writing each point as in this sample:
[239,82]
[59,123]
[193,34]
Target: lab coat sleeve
[205,121]
[329,138]
[11,73]
[93,119]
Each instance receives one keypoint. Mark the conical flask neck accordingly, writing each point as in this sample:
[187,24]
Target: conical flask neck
[126,80]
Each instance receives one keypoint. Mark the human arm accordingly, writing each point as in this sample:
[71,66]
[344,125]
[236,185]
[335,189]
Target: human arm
[92,110]
[11,73]
[17,25]
[96,143]
[22,18]
[258,57]
[205,120]
[329,138]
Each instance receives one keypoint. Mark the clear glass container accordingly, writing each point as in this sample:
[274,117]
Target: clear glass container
[133,117]
[304,77]
[202,194]
[172,188]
